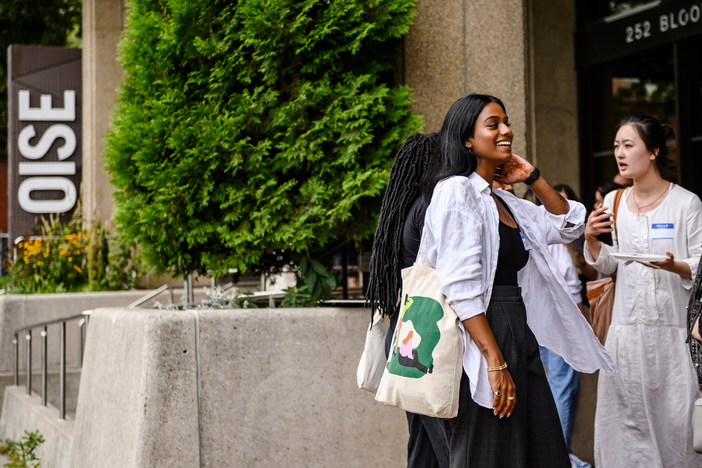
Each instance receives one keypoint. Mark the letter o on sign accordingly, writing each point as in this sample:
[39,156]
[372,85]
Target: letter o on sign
[683,17]
[46,206]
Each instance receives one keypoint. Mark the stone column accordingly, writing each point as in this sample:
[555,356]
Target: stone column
[103,21]
[456,47]
[554,91]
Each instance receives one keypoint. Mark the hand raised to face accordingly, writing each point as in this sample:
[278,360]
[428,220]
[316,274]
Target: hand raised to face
[517,169]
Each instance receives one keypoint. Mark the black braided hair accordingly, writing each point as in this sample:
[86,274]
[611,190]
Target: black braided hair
[404,187]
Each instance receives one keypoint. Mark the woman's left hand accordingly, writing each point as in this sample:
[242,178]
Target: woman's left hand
[679,268]
[666,265]
[515,170]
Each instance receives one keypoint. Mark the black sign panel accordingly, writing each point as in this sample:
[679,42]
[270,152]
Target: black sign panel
[44,138]
[606,40]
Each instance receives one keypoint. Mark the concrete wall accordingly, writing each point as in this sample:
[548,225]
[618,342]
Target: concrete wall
[278,388]
[21,412]
[20,310]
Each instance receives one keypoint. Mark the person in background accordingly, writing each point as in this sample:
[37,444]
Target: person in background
[575,248]
[603,190]
[395,247]
[644,412]
[562,378]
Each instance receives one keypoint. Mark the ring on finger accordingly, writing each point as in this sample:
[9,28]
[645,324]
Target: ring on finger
[497,393]
[510,398]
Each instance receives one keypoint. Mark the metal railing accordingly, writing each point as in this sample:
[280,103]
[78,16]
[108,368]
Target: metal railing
[170,288]
[83,319]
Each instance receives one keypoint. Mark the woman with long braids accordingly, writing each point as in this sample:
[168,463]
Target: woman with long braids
[643,413]
[395,247]
[489,249]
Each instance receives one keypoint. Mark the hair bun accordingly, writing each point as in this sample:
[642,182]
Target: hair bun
[668,131]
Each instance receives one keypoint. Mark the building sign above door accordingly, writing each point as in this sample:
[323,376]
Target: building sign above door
[44,160]
[622,35]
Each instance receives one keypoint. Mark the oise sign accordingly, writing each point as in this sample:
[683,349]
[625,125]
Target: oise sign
[44,134]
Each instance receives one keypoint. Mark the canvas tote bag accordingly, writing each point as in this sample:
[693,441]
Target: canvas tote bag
[372,363]
[600,293]
[423,371]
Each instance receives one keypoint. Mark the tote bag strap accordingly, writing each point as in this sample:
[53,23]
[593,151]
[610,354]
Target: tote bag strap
[424,231]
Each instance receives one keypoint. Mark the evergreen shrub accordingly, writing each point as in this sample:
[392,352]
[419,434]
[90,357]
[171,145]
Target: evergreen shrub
[250,132]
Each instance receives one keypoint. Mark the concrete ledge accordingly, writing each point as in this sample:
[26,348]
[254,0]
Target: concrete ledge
[278,388]
[137,404]
[21,412]
[20,310]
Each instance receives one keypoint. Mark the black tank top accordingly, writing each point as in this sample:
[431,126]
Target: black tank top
[511,256]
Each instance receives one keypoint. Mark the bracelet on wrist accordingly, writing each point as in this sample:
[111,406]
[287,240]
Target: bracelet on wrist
[533,176]
[589,236]
[498,368]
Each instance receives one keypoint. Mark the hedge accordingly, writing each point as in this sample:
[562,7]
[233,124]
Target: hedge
[249,131]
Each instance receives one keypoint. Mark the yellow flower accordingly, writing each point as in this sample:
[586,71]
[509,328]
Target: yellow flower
[78,252]
[70,259]
[63,252]
[38,263]
[77,268]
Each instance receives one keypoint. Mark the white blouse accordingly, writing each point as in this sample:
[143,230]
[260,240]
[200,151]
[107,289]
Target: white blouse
[462,243]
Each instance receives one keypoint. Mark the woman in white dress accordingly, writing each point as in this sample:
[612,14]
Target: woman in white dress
[644,412]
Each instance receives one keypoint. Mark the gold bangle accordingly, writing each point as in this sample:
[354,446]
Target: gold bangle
[589,236]
[498,368]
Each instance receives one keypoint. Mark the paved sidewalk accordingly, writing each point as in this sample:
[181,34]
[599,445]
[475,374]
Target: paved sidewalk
[3,460]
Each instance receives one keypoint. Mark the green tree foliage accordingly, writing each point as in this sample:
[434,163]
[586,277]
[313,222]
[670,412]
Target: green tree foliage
[33,22]
[253,129]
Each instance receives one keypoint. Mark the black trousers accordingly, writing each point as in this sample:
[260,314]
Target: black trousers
[429,438]
[531,437]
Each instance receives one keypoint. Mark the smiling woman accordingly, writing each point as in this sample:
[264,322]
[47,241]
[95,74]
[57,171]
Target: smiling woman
[484,244]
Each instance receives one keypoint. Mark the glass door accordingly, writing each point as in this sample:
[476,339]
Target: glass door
[688,58]
[639,84]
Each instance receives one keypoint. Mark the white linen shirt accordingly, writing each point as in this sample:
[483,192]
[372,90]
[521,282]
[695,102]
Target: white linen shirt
[461,241]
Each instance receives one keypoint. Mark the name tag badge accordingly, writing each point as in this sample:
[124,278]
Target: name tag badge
[527,246]
[663,231]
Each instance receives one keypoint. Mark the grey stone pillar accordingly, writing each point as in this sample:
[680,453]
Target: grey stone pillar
[460,46]
[103,21]
[554,92]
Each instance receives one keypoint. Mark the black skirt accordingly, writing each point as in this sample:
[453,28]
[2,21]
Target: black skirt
[532,436]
